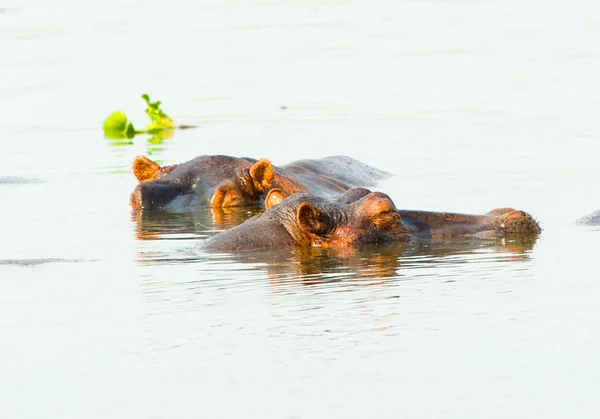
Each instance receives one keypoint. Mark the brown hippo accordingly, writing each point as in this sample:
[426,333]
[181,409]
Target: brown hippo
[223,181]
[500,222]
[356,217]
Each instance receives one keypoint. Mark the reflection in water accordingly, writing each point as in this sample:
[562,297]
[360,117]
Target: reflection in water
[201,223]
[119,142]
[155,143]
[375,263]
[291,269]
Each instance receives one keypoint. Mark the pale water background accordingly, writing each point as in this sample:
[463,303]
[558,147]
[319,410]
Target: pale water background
[471,104]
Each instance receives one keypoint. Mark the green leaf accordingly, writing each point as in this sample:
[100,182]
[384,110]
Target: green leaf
[130,131]
[117,121]
[159,119]
[116,126]
[118,142]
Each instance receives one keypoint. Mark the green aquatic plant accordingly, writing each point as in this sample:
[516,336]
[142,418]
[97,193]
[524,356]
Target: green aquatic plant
[116,126]
[160,120]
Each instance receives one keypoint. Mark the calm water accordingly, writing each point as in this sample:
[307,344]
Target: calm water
[472,105]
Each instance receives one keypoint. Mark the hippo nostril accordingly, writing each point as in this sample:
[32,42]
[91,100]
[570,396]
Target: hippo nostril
[519,222]
[514,215]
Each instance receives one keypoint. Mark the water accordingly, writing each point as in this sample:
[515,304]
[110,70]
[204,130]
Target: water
[472,105]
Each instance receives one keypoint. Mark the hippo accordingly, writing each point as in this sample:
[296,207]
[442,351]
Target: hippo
[223,181]
[356,217]
[499,222]
[592,219]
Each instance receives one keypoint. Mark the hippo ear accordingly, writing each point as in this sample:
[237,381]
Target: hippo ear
[274,197]
[262,174]
[145,169]
[311,219]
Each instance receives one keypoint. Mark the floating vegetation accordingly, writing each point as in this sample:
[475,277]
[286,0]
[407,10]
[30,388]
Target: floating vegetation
[117,126]
[120,131]
[160,120]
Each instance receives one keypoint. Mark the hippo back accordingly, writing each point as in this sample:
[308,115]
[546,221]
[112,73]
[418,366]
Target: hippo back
[592,219]
[343,169]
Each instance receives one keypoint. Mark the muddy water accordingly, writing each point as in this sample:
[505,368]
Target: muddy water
[472,105]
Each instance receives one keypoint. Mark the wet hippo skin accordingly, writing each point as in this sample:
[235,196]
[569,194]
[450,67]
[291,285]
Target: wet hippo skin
[224,181]
[356,217]
[500,222]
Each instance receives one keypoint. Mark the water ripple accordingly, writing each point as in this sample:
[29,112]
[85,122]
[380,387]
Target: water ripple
[35,262]
[290,271]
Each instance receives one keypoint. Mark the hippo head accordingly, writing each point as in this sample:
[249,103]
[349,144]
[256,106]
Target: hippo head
[206,181]
[509,222]
[369,219]
[306,220]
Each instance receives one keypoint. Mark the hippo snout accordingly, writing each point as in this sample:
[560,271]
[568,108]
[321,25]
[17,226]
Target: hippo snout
[519,222]
[153,195]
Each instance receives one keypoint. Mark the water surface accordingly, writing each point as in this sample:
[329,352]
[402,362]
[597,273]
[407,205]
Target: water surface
[472,105]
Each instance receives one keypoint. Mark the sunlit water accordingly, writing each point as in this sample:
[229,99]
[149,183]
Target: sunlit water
[472,105]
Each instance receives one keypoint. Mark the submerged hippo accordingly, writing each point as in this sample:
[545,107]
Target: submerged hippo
[356,217]
[590,219]
[223,181]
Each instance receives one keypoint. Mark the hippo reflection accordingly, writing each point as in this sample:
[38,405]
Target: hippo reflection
[356,217]
[158,225]
[378,262]
[224,181]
